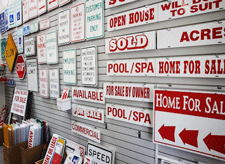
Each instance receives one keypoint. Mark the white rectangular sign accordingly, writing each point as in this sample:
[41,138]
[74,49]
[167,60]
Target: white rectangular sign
[63,2]
[44,83]
[25,10]
[89,113]
[41,48]
[18,14]
[30,47]
[32,77]
[134,115]
[90,132]
[113,3]
[52,4]
[34,27]
[178,9]
[94,19]
[129,91]
[33,8]
[196,35]
[89,66]
[136,42]
[11,16]
[88,94]
[54,83]
[64,27]
[20,40]
[52,48]
[42,7]
[136,17]
[77,26]
[44,24]
[69,66]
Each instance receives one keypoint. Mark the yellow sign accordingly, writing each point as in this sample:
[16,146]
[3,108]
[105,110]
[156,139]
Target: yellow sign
[10,52]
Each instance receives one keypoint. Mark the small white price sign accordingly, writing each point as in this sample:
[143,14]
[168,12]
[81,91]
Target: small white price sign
[44,83]
[69,66]
[64,27]
[52,48]
[54,83]
[41,48]
[44,24]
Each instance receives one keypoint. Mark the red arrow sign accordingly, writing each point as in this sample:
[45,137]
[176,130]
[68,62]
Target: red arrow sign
[215,142]
[189,137]
[167,132]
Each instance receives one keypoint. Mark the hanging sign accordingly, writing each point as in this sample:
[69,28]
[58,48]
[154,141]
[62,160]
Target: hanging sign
[64,27]
[129,91]
[90,132]
[94,19]
[41,49]
[54,83]
[6,19]
[63,2]
[89,68]
[65,93]
[11,15]
[77,24]
[43,83]
[30,47]
[202,112]
[19,103]
[42,8]
[89,113]
[18,14]
[52,48]
[33,8]
[88,94]
[69,66]
[196,35]
[52,4]
[44,24]
[3,45]
[113,3]
[2,22]
[25,10]
[87,160]
[20,67]
[134,115]
[34,27]
[26,30]
[20,40]
[32,78]
[137,42]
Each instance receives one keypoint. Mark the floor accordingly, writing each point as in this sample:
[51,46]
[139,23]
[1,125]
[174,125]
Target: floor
[1,154]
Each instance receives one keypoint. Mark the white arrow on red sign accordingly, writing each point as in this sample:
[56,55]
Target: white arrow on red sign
[20,67]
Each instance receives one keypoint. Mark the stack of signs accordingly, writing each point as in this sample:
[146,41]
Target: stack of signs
[64,27]
[30,47]
[43,83]
[41,49]
[18,14]
[3,45]
[20,40]
[54,83]
[52,48]
[69,66]
[32,79]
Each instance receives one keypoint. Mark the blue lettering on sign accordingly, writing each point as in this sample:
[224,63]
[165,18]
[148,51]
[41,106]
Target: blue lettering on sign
[18,16]
[19,40]
[2,23]
[11,83]
[11,18]
[6,19]
[26,30]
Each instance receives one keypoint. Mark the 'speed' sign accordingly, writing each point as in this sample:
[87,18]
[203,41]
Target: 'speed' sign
[187,120]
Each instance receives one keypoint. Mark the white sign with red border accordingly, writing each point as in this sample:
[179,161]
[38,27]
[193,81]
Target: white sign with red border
[32,77]
[44,83]
[77,23]
[42,7]
[52,48]
[69,66]
[52,4]
[20,67]
[33,8]
[89,113]
[196,35]
[129,91]
[202,112]
[54,83]
[25,10]
[88,94]
[114,3]
[63,2]
[44,24]
[136,17]
[64,27]
[41,48]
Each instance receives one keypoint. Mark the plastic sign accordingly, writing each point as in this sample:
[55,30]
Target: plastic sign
[52,4]
[54,83]
[89,67]
[65,93]
[87,160]
[136,17]
[30,47]
[73,147]
[136,42]
[34,27]
[129,91]
[33,8]
[20,40]
[20,67]
[18,13]
[89,113]
[134,115]
[94,19]
[202,112]
[90,132]
[63,2]
[196,35]
[25,10]
[69,66]
[6,19]
[19,103]
[3,46]
[32,78]
[64,27]
[77,24]
[52,48]
[26,30]
[88,94]
[42,7]
[177,9]
[113,3]
[41,48]
[11,82]
[10,52]
[44,24]
[11,16]
[2,22]
[44,83]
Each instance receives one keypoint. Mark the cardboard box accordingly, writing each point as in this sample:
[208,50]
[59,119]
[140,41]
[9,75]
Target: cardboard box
[39,162]
[1,136]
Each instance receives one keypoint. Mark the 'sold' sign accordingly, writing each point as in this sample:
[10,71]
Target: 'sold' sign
[52,48]
[52,4]
[41,49]
[44,24]
[33,8]
[44,83]
[3,46]
[20,67]
[32,78]
[202,112]
[25,10]
[64,27]
[42,7]
[30,47]
[113,3]
[20,40]
[54,83]
[63,2]
[69,66]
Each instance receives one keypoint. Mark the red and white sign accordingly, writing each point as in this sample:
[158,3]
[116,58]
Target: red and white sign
[44,24]
[136,17]
[187,119]
[86,131]
[63,2]
[65,93]
[177,9]
[73,147]
[41,48]
[88,94]
[89,113]
[136,42]
[87,160]
[25,10]
[134,115]
[129,91]
[52,4]
[2,118]
[42,7]
[77,26]
[20,67]
[196,35]
[33,8]
[113,3]
[44,83]
[19,103]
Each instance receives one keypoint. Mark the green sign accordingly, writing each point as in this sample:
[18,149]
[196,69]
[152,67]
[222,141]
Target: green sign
[3,45]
